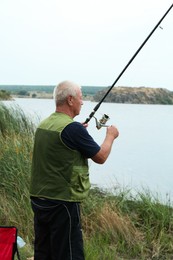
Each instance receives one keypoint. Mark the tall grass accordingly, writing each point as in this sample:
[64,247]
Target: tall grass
[116,225]
[16,141]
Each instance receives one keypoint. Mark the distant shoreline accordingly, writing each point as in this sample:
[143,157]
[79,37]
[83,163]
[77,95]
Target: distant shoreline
[123,95]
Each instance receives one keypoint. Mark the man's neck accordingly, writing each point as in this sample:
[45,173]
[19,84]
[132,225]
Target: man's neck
[64,110]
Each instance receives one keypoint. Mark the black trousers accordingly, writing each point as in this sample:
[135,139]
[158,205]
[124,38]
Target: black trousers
[57,226]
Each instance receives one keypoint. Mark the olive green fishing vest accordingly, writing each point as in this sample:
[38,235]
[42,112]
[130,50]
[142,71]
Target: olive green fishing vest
[58,172]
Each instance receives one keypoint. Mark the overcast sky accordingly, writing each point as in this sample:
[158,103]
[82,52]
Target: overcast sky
[86,41]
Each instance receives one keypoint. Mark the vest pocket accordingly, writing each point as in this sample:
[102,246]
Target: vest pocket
[80,179]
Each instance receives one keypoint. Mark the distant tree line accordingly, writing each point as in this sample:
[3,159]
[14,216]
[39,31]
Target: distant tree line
[24,90]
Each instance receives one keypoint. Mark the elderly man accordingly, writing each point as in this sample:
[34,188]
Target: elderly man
[60,178]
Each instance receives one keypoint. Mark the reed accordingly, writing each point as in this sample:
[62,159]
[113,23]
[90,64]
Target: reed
[16,141]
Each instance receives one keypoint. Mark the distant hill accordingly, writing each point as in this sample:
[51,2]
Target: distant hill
[136,95]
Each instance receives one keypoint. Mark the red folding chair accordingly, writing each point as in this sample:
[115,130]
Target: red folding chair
[8,243]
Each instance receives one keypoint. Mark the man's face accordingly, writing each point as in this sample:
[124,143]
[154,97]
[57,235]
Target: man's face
[77,102]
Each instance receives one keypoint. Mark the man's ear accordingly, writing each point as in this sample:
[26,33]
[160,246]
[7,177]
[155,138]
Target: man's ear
[70,100]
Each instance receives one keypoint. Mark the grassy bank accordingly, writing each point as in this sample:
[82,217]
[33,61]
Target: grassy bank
[4,95]
[115,226]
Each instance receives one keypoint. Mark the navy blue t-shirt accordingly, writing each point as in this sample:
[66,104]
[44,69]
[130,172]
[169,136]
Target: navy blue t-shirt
[77,137]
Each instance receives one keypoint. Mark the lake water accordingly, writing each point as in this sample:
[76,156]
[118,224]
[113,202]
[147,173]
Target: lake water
[141,157]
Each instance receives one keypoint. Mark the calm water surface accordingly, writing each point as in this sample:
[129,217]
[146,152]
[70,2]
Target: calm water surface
[141,157]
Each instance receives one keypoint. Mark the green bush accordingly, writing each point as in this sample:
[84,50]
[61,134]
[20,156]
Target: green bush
[4,95]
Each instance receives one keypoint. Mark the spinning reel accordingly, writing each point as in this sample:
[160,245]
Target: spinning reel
[102,122]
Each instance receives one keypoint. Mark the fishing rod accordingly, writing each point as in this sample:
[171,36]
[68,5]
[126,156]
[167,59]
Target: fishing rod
[105,118]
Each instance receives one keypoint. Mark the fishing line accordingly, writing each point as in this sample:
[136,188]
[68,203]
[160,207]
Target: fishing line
[104,119]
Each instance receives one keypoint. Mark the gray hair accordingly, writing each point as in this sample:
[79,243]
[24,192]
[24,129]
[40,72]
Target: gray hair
[63,90]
